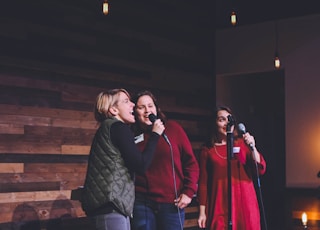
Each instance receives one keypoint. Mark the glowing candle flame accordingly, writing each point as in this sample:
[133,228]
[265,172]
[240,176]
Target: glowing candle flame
[304,218]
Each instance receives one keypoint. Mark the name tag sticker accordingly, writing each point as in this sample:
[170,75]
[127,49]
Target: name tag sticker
[138,139]
[236,149]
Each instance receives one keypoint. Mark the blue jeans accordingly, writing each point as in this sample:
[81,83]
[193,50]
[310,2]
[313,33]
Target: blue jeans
[150,215]
[112,221]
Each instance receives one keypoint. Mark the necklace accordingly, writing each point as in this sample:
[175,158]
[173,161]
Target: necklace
[222,157]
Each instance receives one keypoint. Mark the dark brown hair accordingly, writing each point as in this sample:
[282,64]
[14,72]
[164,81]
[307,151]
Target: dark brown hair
[214,137]
[136,126]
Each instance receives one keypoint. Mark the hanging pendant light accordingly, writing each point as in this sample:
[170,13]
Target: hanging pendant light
[105,7]
[277,61]
[233,18]
[277,64]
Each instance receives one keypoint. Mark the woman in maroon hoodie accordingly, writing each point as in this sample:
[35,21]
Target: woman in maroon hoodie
[169,184]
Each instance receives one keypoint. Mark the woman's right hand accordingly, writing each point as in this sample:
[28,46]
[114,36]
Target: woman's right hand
[202,216]
[202,220]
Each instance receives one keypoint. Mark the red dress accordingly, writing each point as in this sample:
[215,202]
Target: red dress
[213,188]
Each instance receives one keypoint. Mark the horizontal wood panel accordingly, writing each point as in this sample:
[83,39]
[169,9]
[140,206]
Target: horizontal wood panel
[65,136]
[75,150]
[61,177]
[42,158]
[28,187]
[192,209]
[81,74]
[43,112]
[47,121]
[25,120]
[33,196]
[11,168]
[15,146]
[11,128]
[188,223]
[57,167]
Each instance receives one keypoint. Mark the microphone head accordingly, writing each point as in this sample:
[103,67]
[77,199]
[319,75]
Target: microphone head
[230,120]
[152,117]
[242,128]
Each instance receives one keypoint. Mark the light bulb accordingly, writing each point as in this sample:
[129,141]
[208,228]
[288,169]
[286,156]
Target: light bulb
[277,62]
[304,219]
[233,18]
[105,7]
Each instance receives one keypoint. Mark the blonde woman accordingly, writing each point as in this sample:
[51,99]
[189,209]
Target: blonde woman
[108,193]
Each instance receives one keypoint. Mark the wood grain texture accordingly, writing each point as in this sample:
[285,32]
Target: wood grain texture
[40,210]
[33,196]
[55,58]
[11,168]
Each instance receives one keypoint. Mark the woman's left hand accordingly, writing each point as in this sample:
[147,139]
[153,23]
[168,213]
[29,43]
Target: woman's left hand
[182,201]
[249,140]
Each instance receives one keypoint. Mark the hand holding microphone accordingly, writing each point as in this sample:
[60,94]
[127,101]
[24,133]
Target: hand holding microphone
[158,126]
[249,140]
[246,136]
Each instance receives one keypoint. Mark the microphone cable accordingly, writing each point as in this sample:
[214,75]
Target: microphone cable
[242,129]
[152,118]
[174,181]
[260,193]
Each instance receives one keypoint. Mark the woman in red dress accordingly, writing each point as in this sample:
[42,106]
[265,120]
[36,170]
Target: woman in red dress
[213,182]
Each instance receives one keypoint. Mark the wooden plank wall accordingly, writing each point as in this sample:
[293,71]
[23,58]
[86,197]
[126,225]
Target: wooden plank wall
[56,56]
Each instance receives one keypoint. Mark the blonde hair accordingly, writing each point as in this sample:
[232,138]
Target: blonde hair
[106,100]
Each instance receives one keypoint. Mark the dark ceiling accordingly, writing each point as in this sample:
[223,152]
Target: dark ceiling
[195,14]
[216,13]
[257,11]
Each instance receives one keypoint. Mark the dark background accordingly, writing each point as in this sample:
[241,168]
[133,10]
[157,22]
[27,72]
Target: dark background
[56,56]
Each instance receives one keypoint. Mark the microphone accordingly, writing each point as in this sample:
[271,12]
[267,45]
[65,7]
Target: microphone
[153,118]
[242,130]
[230,120]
